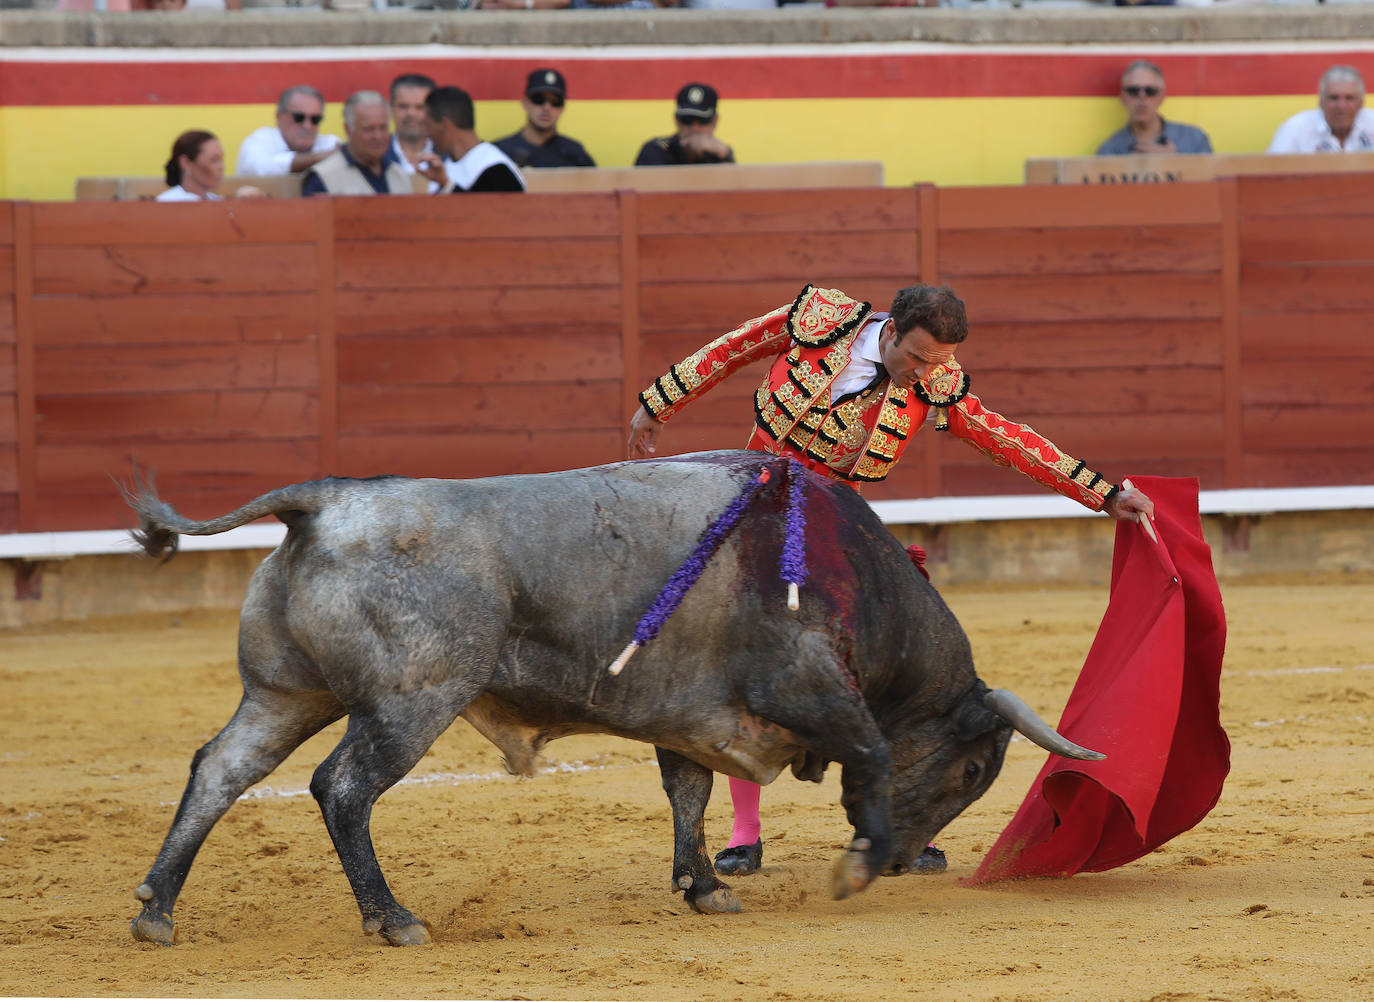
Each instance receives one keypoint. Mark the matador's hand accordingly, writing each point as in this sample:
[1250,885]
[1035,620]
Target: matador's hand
[644,429]
[1128,504]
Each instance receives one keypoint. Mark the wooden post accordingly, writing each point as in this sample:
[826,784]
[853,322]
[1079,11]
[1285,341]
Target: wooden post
[325,343]
[929,205]
[25,392]
[1231,382]
[629,300]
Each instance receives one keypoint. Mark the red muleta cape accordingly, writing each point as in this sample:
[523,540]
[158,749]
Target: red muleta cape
[1148,697]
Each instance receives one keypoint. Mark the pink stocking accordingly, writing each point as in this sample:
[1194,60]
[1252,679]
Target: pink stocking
[744,797]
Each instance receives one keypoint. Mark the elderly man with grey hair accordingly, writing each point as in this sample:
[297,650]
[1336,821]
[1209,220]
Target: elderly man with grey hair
[1146,131]
[366,164]
[295,143]
[1339,124]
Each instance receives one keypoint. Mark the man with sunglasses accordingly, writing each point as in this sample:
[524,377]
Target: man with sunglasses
[1146,131]
[846,390]
[539,143]
[695,141]
[295,143]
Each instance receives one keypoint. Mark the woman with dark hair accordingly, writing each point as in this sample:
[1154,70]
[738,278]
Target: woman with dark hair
[195,168]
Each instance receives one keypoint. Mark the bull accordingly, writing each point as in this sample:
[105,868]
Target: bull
[404,604]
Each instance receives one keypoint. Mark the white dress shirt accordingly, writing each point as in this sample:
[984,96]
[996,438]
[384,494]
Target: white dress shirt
[265,152]
[864,358]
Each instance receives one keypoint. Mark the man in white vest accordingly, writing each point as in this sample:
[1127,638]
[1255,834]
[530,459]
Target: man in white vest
[365,164]
[469,162]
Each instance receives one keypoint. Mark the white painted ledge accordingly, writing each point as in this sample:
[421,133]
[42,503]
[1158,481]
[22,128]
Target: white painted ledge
[923,511]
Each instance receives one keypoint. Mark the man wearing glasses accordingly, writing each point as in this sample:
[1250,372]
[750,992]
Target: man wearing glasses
[294,144]
[539,143]
[695,141]
[1146,131]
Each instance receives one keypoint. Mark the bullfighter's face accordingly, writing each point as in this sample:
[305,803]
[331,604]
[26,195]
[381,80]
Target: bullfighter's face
[912,358]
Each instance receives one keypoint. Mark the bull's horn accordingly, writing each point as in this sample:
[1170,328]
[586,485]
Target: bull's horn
[1013,709]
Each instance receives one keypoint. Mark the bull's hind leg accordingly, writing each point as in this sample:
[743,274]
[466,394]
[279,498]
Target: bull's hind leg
[265,729]
[379,748]
[688,786]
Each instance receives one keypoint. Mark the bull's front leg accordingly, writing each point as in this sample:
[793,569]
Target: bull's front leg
[688,786]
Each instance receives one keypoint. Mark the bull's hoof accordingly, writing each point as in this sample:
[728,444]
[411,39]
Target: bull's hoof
[721,901]
[851,873]
[153,926]
[409,935]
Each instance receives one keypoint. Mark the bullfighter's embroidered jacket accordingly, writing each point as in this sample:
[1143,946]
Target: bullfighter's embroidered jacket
[859,437]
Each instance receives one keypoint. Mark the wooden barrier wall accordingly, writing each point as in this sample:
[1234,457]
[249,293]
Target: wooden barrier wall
[1213,329]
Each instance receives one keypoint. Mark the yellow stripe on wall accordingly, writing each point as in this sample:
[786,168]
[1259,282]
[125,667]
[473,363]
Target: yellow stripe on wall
[948,141]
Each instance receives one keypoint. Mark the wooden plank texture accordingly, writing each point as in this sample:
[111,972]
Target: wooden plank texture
[1316,240]
[217,224]
[1079,250]
[1347,383]
[479,408]
[1091,344]
[705,258]
[1302,288]
[107,369]
[1306,196]
[450,312]
[1284,428]
[177,417]
[527,356]
[476,217]
[136,269]
[1070,205]
[463,264]
[184,318]
[848,210]
[1055,298]
[6,223]
[1328,336]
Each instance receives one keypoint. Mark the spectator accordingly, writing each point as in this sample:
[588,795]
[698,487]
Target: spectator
[410,144]
[695,141]
[1146,131]
[471,164]
[1339,124]
[539,143]
[195,169]
[294,143]
[363,165]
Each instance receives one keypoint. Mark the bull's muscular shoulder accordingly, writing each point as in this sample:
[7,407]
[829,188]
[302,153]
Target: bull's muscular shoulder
[820,317]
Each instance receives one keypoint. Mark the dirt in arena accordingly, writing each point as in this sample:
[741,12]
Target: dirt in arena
[557,887]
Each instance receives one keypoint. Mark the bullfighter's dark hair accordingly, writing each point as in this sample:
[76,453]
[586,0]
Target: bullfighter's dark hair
[410,80]
[188,145]
[934,308]
[451,104]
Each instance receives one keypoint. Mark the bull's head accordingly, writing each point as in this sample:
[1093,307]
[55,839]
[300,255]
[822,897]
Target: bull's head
[948,762]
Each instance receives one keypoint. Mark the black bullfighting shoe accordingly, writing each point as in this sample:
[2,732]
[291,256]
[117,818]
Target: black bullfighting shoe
[931,860]
[738,860]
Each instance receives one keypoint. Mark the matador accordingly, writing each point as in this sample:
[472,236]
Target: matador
[847,389]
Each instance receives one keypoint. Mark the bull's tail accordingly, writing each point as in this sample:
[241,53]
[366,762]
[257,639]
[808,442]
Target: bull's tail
[160,525]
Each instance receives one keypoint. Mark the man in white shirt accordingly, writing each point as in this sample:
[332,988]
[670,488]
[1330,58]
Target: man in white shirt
[294,144]
[1339,124]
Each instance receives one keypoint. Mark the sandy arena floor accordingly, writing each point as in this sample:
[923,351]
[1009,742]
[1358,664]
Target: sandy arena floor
[557,887]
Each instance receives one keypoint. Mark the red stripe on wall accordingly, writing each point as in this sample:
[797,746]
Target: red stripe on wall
[943,74]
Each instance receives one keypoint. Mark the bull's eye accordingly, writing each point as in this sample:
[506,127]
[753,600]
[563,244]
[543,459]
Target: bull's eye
[971,771]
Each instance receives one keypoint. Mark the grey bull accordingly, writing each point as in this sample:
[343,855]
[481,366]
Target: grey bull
[404,604]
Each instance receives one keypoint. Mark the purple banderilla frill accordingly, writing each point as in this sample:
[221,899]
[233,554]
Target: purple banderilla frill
[793,562]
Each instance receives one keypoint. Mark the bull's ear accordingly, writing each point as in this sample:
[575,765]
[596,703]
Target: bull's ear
[973,719]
